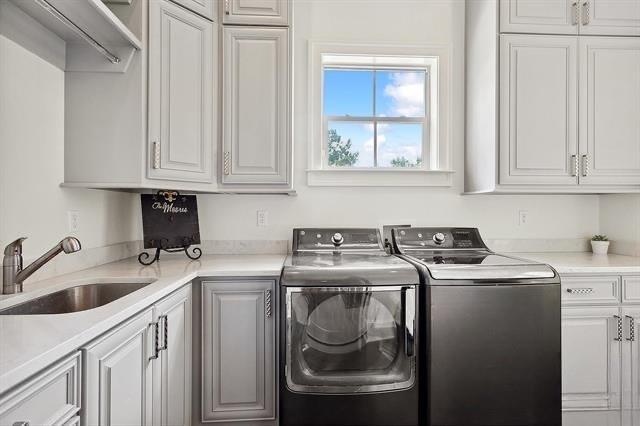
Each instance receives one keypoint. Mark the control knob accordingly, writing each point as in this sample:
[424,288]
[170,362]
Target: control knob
[438,238]
[337,239]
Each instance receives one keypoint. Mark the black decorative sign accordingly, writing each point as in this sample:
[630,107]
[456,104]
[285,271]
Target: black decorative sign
[169,223]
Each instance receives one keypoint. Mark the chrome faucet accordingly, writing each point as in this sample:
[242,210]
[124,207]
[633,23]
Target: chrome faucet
[13,274]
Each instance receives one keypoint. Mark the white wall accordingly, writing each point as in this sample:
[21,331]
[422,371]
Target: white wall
[402,21]
[32,203]
[620,221]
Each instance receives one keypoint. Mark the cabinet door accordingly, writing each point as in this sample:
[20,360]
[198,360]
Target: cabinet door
[181,91]
[256,12]
[539,16]
[538,109]
[590,358]
[117,375]
[609,110]
[172,370]
[631,365]
[238,349]
[206,8]
[610,17]
[256,103]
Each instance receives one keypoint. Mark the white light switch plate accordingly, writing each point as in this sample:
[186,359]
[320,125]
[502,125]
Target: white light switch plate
[73,218]
[262,218]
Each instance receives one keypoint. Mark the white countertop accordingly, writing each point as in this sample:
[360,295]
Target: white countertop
[31,342]
[586,262]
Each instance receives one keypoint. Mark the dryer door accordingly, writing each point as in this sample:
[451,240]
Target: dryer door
[350,339]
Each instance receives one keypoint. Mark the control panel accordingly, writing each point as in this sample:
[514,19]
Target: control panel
[320,239]
[437,238]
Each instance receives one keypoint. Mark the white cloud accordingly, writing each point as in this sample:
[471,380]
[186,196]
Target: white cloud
[407,93]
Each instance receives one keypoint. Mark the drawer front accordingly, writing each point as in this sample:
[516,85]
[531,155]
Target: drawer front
[631,289]
[602,290]
[50,398]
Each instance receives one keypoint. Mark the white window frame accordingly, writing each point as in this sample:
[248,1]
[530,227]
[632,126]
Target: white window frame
[436,125]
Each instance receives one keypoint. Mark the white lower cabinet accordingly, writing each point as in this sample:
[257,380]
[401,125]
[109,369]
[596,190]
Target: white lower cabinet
[600,351]
[140,373]
[238,350]
[52,397]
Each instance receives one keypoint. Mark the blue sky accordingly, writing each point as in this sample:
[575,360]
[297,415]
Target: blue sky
[398,93]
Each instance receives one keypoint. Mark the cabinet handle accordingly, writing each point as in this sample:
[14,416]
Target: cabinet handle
[156,155]
[267,304]
[585,165]
[21,423]
[575,13]
[618,337]
[227,162]
[165,343]
[580,291]
[576,166]
[585,13]
[226,7]
[632,329]
[156,335]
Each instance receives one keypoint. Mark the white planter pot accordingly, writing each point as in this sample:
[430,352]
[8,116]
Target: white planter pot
[599,247]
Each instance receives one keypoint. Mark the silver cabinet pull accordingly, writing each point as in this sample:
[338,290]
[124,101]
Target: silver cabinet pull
[576,166]
[267,303]
[227,162]
[575,13]
[632,328]
[21,423]
[156,335]
[226,7]
[580,291]
[165,343]
[585,165]
[585,13]
[156,155]
[618,337]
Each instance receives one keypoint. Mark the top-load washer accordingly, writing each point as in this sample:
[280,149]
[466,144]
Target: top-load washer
[492,352]
[349,332]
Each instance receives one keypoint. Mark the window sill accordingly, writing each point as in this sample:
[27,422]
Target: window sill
[382,178]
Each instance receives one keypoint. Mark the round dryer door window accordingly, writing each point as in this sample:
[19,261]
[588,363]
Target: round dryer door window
[349,337]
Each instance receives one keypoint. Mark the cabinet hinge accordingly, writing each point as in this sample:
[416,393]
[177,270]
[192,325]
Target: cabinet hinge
[156,155]
[227,162]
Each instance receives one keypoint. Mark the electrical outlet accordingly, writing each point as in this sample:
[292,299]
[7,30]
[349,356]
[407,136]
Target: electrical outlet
[262,218]
[523,217]
[73,218]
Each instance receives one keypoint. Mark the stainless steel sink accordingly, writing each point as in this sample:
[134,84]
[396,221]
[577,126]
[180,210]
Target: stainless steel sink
[74,299]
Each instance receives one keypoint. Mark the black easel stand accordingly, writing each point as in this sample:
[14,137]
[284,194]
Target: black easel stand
[144,255]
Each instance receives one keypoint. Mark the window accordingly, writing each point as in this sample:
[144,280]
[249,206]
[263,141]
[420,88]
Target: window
[374,117]
[378,115]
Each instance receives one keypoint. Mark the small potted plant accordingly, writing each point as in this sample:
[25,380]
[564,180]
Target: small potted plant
[599,244]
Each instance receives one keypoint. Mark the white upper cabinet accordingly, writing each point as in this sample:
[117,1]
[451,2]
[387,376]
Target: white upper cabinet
[593,17]
[255,12]
[255,112]
[539,16]
[610,110]
[181,92]
[206,8]
[538,109]
[610,17]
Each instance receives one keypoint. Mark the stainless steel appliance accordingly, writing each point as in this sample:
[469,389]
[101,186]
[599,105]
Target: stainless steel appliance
[493,331]
[349,332]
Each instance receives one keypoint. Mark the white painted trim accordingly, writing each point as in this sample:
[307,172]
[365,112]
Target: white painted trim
[438,174]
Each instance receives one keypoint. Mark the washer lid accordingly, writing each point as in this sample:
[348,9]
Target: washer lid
[480,265]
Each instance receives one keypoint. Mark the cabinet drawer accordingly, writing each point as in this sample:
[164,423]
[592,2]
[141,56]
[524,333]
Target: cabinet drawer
[50,398]
[591,290]
[631,289]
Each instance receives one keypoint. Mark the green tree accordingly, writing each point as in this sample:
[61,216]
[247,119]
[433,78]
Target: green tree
[340,153]
[404,162]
